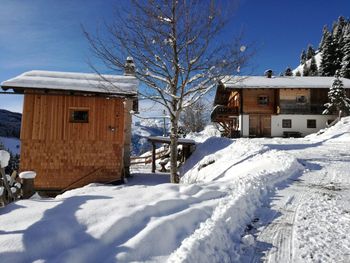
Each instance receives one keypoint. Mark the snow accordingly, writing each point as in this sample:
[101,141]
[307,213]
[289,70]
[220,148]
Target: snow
[252,82]
[300,68]
[209,131]
[11,144]
[27,175]
[337,133]
[244,200]
[86,82]
[4,158]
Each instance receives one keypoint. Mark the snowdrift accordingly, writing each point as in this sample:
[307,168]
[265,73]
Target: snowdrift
[339,132]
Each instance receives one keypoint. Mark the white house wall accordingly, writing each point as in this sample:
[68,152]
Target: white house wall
[244,119]
[299,123]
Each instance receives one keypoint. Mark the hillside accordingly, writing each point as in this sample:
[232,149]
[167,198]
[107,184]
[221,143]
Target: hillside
[333,52]
[300,68]
[10,123]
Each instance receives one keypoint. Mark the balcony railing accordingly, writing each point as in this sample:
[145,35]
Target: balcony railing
[224,111]
[291,107]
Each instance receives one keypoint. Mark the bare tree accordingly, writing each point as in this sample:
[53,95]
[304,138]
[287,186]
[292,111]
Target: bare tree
[195,117]
[179,48]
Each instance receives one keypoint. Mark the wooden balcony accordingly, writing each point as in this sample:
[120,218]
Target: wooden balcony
[221,111]
[291,107]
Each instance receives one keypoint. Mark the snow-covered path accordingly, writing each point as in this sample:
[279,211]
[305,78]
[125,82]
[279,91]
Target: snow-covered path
[308,217]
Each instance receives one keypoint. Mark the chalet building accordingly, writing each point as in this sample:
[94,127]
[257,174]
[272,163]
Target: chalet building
[267,106]
[76,128]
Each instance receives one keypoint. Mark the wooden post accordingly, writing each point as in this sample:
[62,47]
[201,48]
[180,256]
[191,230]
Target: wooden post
[27,179]
[153,157]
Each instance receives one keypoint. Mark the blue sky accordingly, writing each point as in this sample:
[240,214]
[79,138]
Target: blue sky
[46,34]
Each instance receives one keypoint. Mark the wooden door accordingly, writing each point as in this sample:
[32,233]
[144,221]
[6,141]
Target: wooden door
[265,125]
[259,125]
[254,126]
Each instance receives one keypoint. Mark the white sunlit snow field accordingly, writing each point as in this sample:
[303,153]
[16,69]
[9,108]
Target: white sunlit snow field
[246,200]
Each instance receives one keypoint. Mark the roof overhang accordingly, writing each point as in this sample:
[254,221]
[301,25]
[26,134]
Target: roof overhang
[73,83]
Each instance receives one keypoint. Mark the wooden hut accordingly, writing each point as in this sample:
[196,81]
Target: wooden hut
[75,127]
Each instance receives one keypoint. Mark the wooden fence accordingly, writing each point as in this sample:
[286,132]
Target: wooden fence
[147,159]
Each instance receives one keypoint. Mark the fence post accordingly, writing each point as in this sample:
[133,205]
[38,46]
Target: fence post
[27,180]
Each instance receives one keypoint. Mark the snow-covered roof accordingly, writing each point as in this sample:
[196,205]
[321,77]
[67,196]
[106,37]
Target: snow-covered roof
[280,82]
[69,81]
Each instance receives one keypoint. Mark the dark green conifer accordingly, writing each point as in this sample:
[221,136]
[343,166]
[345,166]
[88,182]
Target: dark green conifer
[303,57]
[313,70]
[310,52]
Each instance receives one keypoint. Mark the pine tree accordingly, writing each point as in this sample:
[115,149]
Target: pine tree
[345,65]
[303,57]
[325,33]
[306,70]
[338,28]
[329,62]
[288,72]
[313,70]
[338,38]
[310,52]
[298,74]
[337,100]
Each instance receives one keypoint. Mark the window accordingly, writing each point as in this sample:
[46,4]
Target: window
[263,100]
[286,123]
[311,123]
[301,99]
[79,115]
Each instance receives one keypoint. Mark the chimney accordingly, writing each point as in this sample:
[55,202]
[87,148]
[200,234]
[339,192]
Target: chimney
[268,73]
[129,67]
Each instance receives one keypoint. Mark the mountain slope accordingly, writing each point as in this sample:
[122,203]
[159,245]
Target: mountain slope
[300,68]
[10,123]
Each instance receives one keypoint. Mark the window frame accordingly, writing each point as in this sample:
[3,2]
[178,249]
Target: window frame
[308,121]
[284,122]
[267,99]
[73,110]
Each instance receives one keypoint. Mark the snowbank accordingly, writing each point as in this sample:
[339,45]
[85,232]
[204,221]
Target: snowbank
[214,157]
[4,158]
[209,131]
[340,132]
[247,172]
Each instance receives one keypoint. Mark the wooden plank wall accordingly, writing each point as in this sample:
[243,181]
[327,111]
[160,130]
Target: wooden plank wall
[250,101]
[291,94]
[319,96]
[61,152]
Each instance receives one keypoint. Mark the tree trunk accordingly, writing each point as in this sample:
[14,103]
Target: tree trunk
[174,177]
